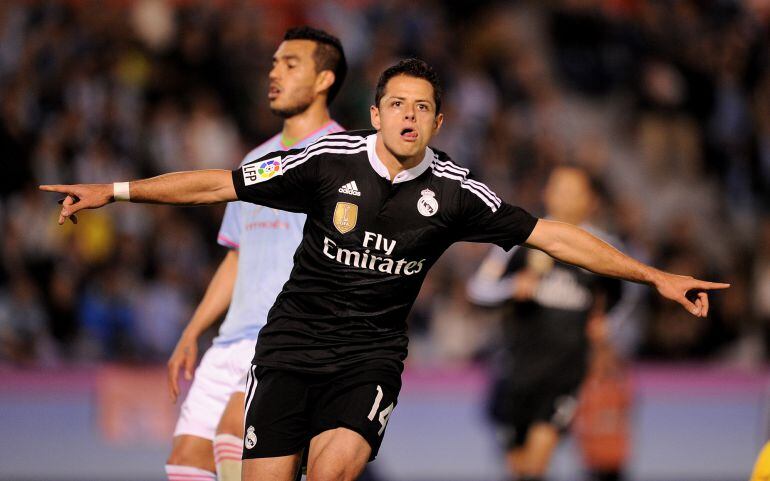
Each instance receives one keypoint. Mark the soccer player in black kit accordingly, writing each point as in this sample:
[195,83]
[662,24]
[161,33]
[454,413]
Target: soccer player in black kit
[381,208]
[547,307]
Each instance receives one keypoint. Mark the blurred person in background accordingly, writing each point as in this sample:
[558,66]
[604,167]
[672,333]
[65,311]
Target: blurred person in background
[308,70]
[761,280]
[23,335]
[548,307]
[337,333]
[602,425]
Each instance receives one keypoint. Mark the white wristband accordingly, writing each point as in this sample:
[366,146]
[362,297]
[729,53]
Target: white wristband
[120,191]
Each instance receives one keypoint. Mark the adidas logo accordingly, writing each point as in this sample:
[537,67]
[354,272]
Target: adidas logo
[350,188]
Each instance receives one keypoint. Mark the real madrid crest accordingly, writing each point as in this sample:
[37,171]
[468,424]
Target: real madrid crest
[250,440]
[427,205]
[345,216]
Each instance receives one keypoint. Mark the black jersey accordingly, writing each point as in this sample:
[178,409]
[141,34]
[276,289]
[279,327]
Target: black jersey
[367,245]
[545,337]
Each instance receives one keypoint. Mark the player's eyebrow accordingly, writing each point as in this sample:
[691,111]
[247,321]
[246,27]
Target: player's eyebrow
[418,101]
[288,56]
[399,97]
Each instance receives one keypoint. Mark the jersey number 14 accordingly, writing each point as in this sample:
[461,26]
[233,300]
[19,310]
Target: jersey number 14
[384,414]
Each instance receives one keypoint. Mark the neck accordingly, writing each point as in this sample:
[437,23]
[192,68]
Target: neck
[395,164]
[302,125]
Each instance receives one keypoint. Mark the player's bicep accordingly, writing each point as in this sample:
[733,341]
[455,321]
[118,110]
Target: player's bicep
[543,235]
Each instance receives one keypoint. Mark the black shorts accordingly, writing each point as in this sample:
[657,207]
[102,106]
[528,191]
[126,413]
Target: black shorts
[515,408]
[286,409]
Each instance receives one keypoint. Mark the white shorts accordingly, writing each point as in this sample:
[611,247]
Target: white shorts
[222,371]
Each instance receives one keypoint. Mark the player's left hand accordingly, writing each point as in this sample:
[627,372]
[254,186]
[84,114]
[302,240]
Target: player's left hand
[79,197]
[683,288]
[597,328]
[525,285]
[183,358]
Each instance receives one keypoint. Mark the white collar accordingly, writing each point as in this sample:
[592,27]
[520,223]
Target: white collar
[404,175]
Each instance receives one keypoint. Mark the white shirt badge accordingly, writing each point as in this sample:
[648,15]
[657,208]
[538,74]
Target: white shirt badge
[427,205]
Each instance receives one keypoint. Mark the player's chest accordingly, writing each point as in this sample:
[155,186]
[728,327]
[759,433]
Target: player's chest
[371,212]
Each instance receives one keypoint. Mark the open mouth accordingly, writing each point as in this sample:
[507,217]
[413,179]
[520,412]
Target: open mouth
[409,134]
[273,92]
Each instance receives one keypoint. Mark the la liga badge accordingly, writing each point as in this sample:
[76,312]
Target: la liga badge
[261,171]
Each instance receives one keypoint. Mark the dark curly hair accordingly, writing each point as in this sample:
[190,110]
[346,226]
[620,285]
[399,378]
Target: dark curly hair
[328,54]
[412,67]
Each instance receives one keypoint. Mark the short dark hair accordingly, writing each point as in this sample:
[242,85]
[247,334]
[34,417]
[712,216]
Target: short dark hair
[328,55]
[412,67]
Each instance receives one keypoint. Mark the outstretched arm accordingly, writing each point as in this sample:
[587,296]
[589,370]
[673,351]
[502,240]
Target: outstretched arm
[180,188]
[573,245]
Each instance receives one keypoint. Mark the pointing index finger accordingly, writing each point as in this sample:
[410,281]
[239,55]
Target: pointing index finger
[53,188]
[711,285]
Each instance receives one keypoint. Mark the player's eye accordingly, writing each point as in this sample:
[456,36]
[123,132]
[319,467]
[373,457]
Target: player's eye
[423,107]
[396,103]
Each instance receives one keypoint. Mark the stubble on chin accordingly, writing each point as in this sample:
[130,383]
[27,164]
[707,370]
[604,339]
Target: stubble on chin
[288,112]
[295,109]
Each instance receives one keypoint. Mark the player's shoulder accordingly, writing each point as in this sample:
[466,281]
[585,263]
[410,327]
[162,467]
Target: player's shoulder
[336,145]
[344,142]
[273,144]
[334,150]
[340,146]
[349,136]
[460,179]
[443,167]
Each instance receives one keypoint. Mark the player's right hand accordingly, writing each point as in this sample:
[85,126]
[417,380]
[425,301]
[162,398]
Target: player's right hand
[525,285]
[687,291]
[79,197]
[184,356]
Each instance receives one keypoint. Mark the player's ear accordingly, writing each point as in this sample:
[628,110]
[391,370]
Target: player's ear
[324,81]
[438,122]
[374,113]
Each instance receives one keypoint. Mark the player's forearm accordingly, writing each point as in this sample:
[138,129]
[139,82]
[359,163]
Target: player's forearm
[574,245]
[217,298]
[185,188]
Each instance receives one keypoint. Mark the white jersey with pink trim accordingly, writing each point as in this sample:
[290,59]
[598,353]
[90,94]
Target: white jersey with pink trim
[266,240]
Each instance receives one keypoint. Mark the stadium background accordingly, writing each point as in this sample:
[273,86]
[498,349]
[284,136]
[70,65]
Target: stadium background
[666,101]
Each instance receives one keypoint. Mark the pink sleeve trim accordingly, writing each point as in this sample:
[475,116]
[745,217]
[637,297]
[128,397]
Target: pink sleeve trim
[227,242]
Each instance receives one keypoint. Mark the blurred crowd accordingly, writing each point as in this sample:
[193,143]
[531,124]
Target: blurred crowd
[665,102]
